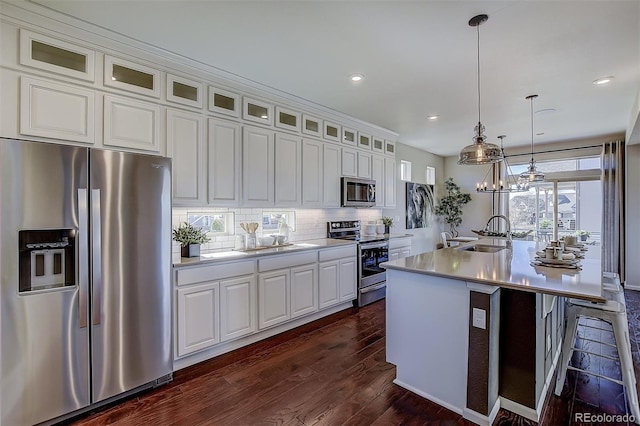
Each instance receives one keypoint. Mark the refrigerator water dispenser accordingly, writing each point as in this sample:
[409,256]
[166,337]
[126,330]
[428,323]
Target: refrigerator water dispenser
[47,259]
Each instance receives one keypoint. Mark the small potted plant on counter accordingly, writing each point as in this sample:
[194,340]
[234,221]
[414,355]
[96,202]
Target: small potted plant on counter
[583,234]
[190,239]
[388,223]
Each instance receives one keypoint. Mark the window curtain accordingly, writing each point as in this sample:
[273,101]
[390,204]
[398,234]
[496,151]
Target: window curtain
[613,221]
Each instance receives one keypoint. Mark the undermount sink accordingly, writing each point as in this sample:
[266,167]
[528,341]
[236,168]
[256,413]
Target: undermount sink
[483,248]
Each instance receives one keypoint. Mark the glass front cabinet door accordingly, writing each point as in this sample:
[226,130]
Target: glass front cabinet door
[184,91]
[224,102]
[132,77]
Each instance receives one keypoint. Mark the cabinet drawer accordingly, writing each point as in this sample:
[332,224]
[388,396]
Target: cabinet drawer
[337,253]
[214,272]
[287,261]
[399,242]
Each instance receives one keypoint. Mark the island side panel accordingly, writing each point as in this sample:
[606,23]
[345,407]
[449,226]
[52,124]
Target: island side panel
[518,347]
[482,376]
[427,336]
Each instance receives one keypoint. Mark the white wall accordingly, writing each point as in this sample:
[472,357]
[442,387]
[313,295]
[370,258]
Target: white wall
[425,239]
[632,198]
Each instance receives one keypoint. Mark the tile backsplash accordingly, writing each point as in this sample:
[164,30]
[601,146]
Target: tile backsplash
[310,223]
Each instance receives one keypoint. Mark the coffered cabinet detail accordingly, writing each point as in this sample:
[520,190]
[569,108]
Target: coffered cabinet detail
[50,54]
[225,163]
[312,173]
[184,91]
[186,147]
[56,111]
[224,102]
[288,170]
[131,124]
[132,77]
[258,161]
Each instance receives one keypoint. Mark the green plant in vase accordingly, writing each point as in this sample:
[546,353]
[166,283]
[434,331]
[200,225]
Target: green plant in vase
[450,207]
[190,239]
[388,223]
[582,234]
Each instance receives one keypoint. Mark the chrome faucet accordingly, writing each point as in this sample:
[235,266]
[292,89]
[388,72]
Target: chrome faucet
[506,219]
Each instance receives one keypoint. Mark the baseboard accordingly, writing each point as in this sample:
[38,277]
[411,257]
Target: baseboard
[432,398]
[631,287]
[481,419]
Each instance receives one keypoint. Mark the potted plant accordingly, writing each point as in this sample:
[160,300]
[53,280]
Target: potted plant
[388,223]
[190,239]
[450,207]
[583,234]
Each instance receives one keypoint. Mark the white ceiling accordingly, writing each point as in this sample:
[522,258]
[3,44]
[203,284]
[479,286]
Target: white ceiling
[418,58]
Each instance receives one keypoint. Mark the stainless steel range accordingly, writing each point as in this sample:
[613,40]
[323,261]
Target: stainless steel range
[372,251]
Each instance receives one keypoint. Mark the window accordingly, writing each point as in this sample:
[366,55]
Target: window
[431,176]
[405,170]
[214,223]
[271,220]
[569,201]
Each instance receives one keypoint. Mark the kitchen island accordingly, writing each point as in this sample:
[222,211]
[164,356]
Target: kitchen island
[476,327]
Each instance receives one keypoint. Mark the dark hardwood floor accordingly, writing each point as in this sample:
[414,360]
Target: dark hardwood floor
[333,372]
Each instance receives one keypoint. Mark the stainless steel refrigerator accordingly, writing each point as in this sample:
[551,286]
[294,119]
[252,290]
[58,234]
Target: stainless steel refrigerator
[85,263]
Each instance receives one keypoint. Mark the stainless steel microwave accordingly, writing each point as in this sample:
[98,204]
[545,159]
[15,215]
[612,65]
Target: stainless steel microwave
[358,192]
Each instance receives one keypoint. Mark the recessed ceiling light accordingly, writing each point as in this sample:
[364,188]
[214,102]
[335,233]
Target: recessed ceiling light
[603,80]
[432,117]
[356,77]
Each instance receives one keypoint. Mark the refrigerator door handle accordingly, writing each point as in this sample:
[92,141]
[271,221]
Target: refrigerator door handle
[96,252]
[83,258]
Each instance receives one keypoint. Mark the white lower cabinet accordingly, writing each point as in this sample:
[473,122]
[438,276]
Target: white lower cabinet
[399,248]
[238,307]
[273,296]
[348,271]
[197,317]
[304,290]
[329,280]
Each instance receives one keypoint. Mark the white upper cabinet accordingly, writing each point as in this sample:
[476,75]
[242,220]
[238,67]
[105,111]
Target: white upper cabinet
[57,111]
[186,147]
[258,161]
[377,144]
[349,136]
[311,125]
[132,77]
[364,141]
[312,172]
[225,163]
[364,165]
[257,111]
[287,119]
[51,54]
[349,162]
[390,148]
[377,174]
[131,124]
[332,131]
[224,102]
[332,167]
[390,182]
[288,170]
[183,91]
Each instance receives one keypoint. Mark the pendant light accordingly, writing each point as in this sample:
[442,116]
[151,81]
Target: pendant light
[531,176]
[479,152]
[502,178]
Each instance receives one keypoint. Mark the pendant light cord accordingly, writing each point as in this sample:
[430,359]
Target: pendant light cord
[478,32]
[532,129]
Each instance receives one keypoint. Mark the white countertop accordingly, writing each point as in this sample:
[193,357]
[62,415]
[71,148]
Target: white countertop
[226,255]
[509,268]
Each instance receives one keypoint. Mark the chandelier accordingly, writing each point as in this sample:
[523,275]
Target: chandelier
[479,152]
[501,183]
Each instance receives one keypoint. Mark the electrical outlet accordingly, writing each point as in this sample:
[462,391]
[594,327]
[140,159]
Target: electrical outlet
[479,318]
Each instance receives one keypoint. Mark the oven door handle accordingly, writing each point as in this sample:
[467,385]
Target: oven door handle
[373,288]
